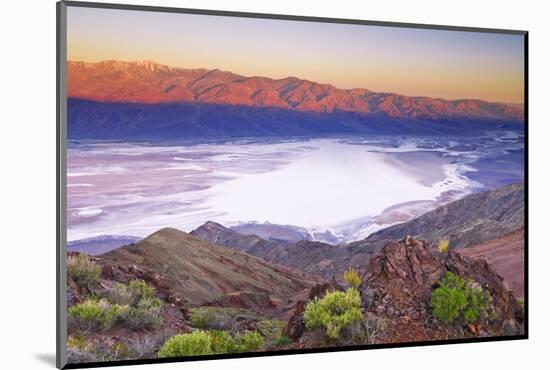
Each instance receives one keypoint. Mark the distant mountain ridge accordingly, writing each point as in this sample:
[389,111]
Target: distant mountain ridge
[148,100]
[153,83]
[221,235]
[100,244]
[470,220]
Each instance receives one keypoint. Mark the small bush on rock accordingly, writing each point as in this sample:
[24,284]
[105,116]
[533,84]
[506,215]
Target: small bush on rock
[93,314]
[141,317]
[222,342]
[83,271]
[192,344]
[219,318]
[141,290]
[351,276]
[143,308]
[120,294]
[282,341]
[249,342]
[334,311]
[120,351]
[78,342]
[203,317]
[455,299]
[271,328]
[109,350]
[131,294]
[443,246]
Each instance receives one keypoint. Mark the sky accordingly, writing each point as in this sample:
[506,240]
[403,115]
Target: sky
[415,62]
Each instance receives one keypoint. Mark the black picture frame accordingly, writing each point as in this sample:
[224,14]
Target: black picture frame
[61,147]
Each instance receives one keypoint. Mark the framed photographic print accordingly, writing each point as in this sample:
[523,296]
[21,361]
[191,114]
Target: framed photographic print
[236,184]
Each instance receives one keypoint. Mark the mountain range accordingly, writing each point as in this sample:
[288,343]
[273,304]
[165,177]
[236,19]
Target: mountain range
[148,100]
[101,244]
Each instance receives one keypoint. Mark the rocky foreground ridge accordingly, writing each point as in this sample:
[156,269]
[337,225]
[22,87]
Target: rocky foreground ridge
[267,295]
[198,286]
[395,299]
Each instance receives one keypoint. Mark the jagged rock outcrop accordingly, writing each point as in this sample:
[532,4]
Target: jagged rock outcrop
[396,298]
[399,281]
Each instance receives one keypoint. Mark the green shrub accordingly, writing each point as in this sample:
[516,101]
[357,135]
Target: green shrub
[141,290]
[521,304]
[448,304]
[137,318]
[200,318]
[131,294]
[105,350]
[120,351]
[83,271]
[249,342]
[271,328]
[143,307]
[351,276]
[282,341]
[77,342]
[334,311]
[93,314]
[222,342]
[443,246]
[120,294]
[192,344]
[479,302]
[212,317]
[204,317]
[456,299]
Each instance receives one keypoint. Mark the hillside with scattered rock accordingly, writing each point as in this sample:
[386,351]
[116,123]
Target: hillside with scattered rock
[470,220]
[199,272]
[401,278]
[506,255]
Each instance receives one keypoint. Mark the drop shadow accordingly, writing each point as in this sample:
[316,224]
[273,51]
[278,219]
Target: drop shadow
[46,358]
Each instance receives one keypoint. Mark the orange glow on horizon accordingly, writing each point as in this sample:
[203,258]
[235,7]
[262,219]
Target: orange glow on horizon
[413,62]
